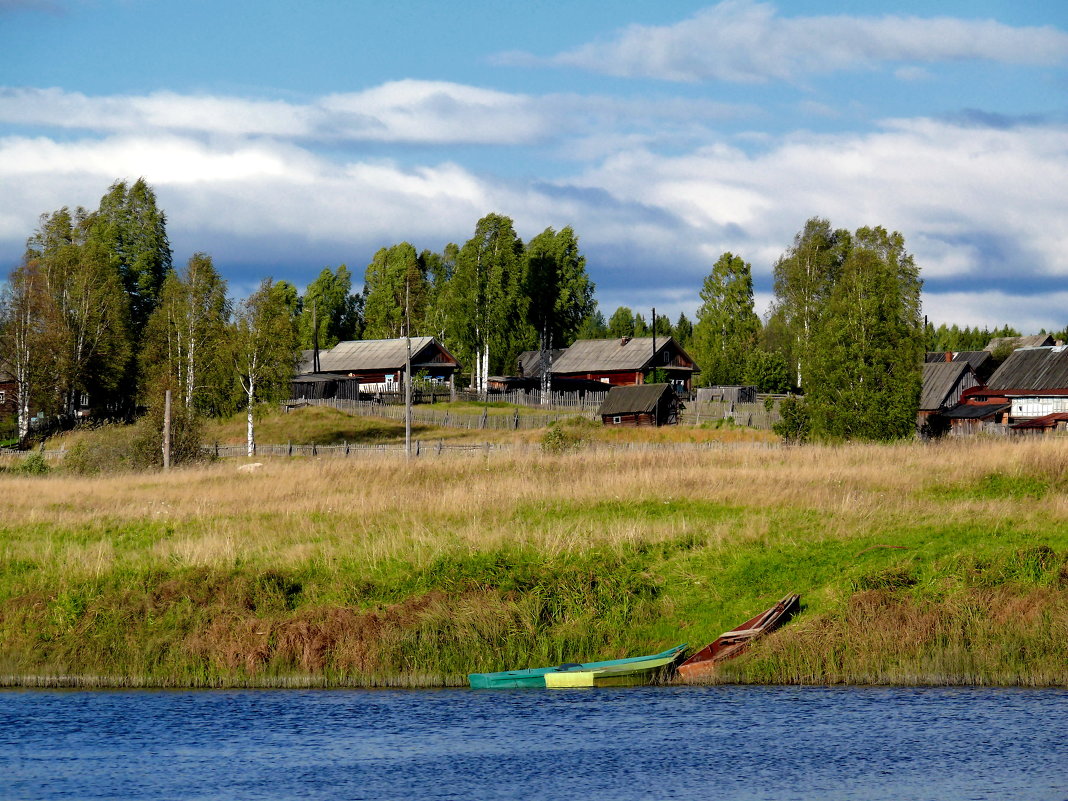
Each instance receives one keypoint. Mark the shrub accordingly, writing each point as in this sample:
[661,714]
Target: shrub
[34,465]
[558,440]
[795,424]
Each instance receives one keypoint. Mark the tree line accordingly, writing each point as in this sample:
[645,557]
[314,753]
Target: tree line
[97,320]
[96,317]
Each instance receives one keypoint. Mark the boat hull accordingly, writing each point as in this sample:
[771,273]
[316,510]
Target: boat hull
[735,642]
[632,675]
[535,677]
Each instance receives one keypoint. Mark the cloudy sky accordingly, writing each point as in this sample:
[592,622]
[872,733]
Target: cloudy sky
[283,137]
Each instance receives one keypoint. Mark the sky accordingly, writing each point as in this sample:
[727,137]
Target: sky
[283,138]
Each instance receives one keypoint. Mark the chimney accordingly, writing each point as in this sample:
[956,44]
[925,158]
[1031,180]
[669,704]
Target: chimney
[624,340]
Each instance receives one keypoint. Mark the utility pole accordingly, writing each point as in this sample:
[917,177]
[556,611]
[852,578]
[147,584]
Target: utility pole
[315,337]
[167,431]
[407,376]
[654,338]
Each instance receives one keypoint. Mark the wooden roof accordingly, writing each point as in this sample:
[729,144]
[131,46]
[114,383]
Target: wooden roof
[1034,341]
[1032,370]
[975,411]
[939,378]
[617,354]
[382,354]
[640,399]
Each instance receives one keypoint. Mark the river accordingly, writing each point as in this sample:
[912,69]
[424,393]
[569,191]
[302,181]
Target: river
[675,743]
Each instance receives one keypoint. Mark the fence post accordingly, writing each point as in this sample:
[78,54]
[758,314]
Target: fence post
[485,416]
[417,447]
[515,424]
[216,449]
[441,444]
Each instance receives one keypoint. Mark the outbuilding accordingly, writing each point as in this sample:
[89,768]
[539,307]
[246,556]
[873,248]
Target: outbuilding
[642,405]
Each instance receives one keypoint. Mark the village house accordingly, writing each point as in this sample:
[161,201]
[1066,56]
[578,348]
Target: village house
[943,384]
[981,361]
[641,405]
[1032,383]
[624,361]
[373,366]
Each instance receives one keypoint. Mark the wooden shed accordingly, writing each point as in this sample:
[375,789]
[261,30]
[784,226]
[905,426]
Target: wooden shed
[642,405]
[626,360]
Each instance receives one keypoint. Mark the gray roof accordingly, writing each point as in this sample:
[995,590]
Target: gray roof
[939,379]
[596,355]
[975,411]
[636,399]
[976,358]
[1034,341]
[1032,369]
[376,354]
[530,362]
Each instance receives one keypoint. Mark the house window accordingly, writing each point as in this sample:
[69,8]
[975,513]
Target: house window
[389,378]
[667,357]
[3,397]
[617,420]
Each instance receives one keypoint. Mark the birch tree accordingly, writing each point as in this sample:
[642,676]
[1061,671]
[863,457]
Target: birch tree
[265,348]
[727,328]
[185,335]
[23,310]
[487,299]
[804,278]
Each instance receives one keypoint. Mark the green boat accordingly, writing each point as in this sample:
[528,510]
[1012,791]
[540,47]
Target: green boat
[535,677]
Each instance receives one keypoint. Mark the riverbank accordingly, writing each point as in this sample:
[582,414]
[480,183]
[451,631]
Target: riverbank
[943,564]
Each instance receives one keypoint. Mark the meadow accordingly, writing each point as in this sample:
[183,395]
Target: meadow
[917,564]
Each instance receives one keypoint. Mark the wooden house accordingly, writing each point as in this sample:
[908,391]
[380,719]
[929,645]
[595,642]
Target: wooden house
[1015,343]
[1056,423]
[981,361]
[8,393]
[970,417]
[1032,380]
[374,366]
[943,385]
[626,360]
[641,405]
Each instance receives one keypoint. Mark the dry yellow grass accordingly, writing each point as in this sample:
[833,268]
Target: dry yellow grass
[382,506]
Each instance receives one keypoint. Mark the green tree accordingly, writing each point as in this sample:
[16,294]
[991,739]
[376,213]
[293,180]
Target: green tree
[487,299]
[559,291]
[593,327]
[133,230]
[265,348]
[727,328]
[185,339]
[24,312]
[85,315]
[621,323]
[395,280]
[683,331]
[804,278]
[865,375]
[329,303]
[767,371]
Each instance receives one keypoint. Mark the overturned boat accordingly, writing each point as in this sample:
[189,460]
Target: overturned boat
[733,643]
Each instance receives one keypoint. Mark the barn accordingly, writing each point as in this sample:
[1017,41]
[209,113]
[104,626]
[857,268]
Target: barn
[642,405]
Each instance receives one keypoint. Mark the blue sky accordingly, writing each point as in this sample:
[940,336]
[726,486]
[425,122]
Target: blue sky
[281,138]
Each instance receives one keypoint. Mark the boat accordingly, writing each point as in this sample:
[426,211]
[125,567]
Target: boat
[610,670]
[629,675]
[735,642]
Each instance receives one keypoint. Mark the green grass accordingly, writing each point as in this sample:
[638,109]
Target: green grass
[388,573]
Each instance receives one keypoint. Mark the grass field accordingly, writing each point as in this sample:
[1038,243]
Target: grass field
[916,563]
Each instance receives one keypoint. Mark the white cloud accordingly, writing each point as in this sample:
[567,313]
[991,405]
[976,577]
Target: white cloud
[424,112]
[981,208]
[749,42]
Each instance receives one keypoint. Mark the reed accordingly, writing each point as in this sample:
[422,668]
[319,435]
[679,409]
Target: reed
[916,563]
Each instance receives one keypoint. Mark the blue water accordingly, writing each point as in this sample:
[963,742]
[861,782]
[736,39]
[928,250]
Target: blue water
[645,743]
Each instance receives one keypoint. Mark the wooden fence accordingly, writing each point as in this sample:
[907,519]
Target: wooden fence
[753,415]
[449,418]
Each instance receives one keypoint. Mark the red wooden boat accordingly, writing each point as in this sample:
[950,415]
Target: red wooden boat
[732,643]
